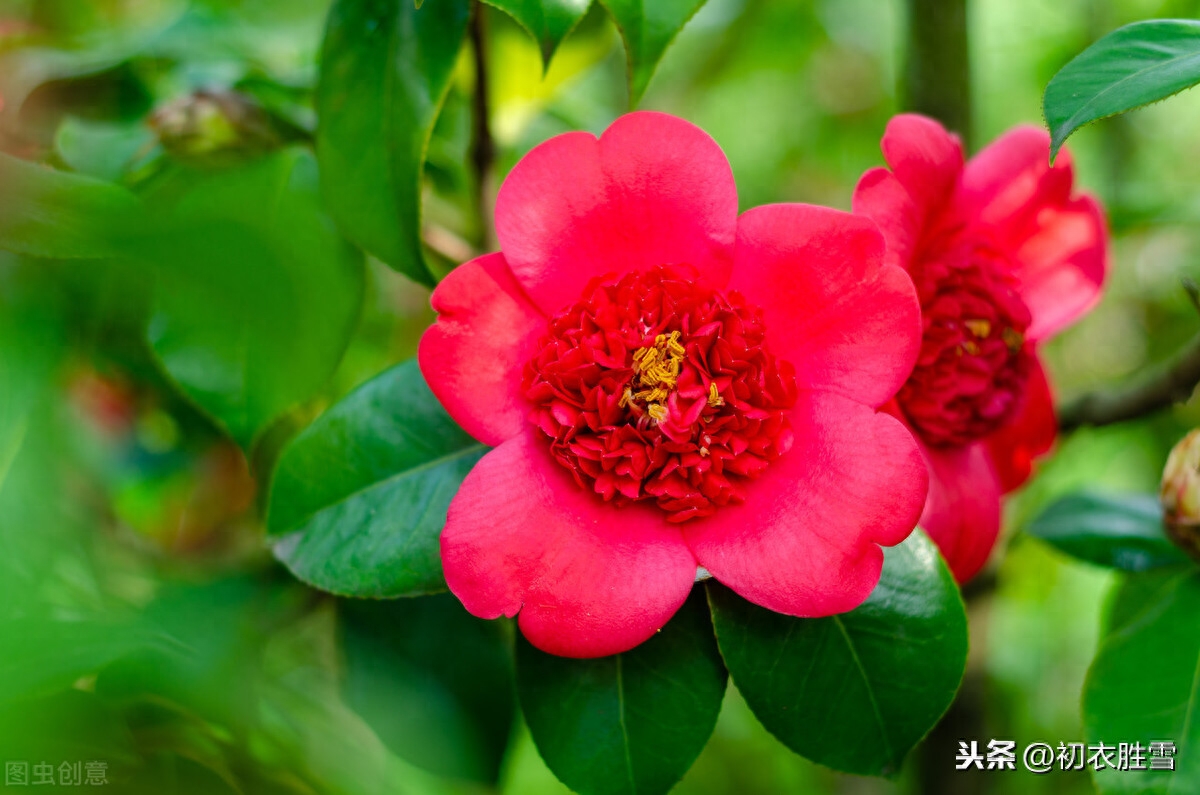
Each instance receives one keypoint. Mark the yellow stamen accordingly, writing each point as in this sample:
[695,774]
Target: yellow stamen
[703,452]
[969,347]
[657,372]
[1014,339]
[980,328]
[714,397]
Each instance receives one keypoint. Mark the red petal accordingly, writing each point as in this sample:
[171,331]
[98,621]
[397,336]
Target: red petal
[652,190]
[1063,266]
[962,515]
[805,541]
[474,356]
[1059,243]
[1029,434]
[1011,179]
[926,159]
[588,579]
[847,322]
[880,197]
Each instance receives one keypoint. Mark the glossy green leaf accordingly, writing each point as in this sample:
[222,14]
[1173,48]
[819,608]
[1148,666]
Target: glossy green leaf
[432,681]
[385,70]
[857,691]
[1143,683]
[1121,532]
[360,496]
[257,294]
[629,723]
[548,21]
[53,214]
[1130,67]
[648,28]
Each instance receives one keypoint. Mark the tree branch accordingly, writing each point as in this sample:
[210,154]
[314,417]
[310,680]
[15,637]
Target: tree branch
[483,147]
[937,73]
[1169,383]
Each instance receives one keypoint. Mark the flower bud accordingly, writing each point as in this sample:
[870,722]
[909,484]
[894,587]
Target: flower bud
[1180,494]
[214,125]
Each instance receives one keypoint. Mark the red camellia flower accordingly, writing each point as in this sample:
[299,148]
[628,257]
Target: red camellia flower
[669,386]
[1003,256]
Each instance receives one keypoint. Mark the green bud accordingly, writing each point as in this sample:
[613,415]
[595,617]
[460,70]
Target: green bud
[1180,494]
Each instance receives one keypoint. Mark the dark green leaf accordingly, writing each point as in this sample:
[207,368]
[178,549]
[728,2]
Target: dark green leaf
[1130,67]
[434,682]
[648,28]
[360,497]
[857,691]
[1121,532]
[257,294]
[385,69]
[48,213]
[630,723]
[1142,685]
[548,21]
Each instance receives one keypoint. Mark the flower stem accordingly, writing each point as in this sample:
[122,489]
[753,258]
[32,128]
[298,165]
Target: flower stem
[483,147]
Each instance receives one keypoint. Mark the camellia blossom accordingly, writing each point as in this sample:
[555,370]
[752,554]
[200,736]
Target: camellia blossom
[669,386]
[1003,256]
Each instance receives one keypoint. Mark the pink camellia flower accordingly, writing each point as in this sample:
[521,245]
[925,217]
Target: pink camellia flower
[1003,257]
[669,386]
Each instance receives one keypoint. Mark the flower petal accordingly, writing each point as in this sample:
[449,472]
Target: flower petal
[652,190]
[962,515]
[474,356]
[805,541]
[880,197]
[1029,434]
[1063,266]
[1058,243]
[847,322]
[926,159]
[1011,180]
[588,578]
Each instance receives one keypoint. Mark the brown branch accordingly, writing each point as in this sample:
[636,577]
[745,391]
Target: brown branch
[937,73]
[483,146]
[1169,383]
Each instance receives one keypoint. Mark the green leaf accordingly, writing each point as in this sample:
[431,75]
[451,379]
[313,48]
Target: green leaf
[629,723]
[857,691]
[1143,683]
[432,681]
[257,294]
[1130,67]
[360,496]
[69,725]
[41,656]
[648,28]
[385,70]
[53,214]
[103,150]
[1121,532]
[548,21]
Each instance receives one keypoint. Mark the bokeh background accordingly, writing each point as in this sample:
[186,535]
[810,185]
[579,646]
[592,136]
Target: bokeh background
[142,620]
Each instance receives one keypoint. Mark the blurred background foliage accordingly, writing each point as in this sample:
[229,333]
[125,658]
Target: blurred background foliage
[142,621]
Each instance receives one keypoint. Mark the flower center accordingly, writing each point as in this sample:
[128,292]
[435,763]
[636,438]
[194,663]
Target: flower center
[656,387]
[974,364]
